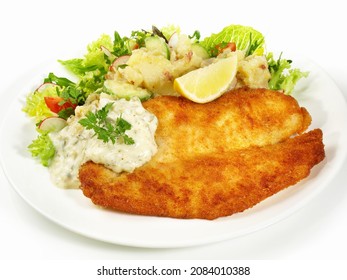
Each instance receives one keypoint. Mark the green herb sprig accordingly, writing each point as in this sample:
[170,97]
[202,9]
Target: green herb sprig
[105,129]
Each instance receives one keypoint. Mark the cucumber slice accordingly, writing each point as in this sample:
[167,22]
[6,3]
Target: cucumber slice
[200,51]
[125,90]
[157,45]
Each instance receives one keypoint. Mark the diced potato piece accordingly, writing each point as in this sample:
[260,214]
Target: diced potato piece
[253,72]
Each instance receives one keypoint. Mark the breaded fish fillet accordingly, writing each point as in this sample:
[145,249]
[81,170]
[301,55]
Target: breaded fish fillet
[205,186]
[239,119]
[214,159]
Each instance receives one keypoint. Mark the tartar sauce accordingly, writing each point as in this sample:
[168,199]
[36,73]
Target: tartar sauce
[76,145]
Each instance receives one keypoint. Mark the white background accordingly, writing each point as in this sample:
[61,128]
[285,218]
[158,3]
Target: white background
[34,32]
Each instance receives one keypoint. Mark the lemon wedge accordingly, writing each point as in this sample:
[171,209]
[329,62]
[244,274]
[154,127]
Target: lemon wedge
[208,83]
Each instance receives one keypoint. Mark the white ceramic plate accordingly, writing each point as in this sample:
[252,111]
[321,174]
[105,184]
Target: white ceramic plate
[70,209]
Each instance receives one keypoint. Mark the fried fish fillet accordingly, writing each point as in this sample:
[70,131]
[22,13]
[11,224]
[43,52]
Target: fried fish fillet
[239,119]
[213,160]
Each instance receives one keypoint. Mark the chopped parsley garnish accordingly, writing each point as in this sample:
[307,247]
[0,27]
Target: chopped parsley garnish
[105,129]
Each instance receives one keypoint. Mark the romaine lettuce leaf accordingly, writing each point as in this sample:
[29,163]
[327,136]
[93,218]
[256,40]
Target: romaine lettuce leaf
[246,38]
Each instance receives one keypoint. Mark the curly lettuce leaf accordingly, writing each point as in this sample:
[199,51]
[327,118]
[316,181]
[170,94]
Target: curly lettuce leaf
[43,149]
[95,55]
[246,38]
[282,76]
[35,105]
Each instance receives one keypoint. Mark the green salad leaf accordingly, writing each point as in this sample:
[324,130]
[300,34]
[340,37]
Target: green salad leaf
[77,66]
[67,89]
[42,147]
[246,38]
[120,45]
[35,105]
[283,77]
[92,68]
[60,81]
